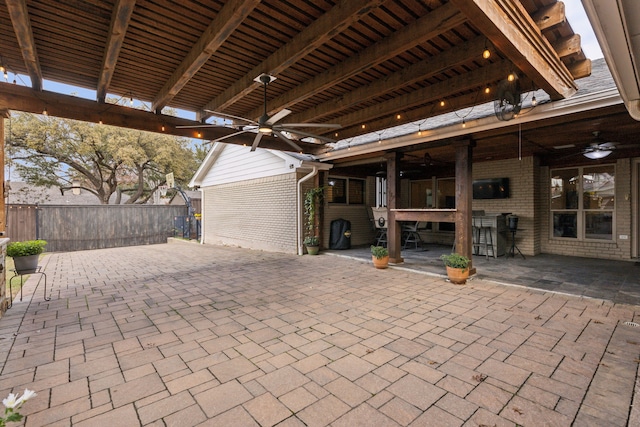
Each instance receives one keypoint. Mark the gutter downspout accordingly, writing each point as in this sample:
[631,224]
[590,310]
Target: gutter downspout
[310,175]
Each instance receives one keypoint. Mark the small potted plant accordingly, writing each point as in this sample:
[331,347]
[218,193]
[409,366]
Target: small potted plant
[457,267]
[312,244]
[25,254]
[380,256]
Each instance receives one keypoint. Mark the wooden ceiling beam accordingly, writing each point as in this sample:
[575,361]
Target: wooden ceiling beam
[567,46]
[407,76]
[21,98]
[120,18]
[580,69]
[22,27]
[336,20]
[509,27]
[550,16]
[384,114]
[423,29]
[223,25]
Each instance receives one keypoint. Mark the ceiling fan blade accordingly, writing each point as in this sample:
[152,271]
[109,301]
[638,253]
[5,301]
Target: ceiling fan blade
[256,141]
[208,125]
[288,141]
[312,125]
[230,135]
[231,116]
[306,134]
[278,116]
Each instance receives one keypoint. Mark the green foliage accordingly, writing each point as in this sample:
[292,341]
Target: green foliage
[312,198]
[379,251]
[103,160]
[312,241]
[26,248]
[455,260]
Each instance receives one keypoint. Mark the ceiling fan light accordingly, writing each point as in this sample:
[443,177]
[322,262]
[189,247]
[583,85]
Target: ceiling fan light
[596,154]
[264,129]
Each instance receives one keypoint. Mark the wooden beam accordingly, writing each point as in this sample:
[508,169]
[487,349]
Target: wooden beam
[509,27]
[4,193]
[423,29]
[394,230]
[120,18]
[464,199]
[580,69]
[339,18]
[225,23]
[407,76]
[386,111]
[21,98]
[549,16]
[22,27]
[567,46]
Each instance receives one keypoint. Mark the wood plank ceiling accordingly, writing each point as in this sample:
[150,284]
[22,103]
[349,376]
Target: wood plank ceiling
[364,64]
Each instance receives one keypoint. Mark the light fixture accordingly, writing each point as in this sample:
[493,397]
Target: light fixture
[464,124]
[442,103]
[511,77]
[534,101]
[487,90]
[44,112]
[597,153]
[162,128]
[398,116]
[265,128]
[363,126]
[486,53]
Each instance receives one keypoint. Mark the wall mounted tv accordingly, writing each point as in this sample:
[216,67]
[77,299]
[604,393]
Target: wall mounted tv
[494,188]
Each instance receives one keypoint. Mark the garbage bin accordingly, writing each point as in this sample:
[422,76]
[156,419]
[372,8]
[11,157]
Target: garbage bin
[340,236]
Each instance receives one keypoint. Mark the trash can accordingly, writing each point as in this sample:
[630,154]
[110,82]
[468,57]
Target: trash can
[340,236]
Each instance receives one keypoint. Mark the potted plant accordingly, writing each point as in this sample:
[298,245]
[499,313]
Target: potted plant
[457,267]
[380,256]
[312,198]
[25,254]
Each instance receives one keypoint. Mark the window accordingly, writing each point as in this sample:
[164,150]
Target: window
[345,190]
[583,202]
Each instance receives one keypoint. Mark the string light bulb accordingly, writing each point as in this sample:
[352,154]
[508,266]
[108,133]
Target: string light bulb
[486,53]
[464,124]
[162,128]
[511,77]
[364,126]
[487,90]
[398,116]
[534,101]
[442,103]
[45,112]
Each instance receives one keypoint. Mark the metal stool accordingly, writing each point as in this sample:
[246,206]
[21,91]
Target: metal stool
[485,240]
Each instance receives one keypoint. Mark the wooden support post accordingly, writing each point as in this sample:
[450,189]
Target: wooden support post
[3,209]
[464,199]
[394,232]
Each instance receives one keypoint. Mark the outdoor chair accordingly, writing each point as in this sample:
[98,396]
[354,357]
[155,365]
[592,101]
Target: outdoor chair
[380,222]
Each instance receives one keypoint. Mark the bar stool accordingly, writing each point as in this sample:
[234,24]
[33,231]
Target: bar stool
[485,240]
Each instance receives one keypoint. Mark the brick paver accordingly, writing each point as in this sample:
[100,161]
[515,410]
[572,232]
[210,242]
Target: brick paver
[183,334]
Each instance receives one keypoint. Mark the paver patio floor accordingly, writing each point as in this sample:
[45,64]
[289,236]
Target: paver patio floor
[189,335]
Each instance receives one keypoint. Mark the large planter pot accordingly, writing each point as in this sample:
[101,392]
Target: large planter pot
[313,250]
[380,262]
[458,276]
[26,264]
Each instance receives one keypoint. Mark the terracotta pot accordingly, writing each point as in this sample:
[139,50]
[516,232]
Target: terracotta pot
[458,276]
[313,250]
[380,262]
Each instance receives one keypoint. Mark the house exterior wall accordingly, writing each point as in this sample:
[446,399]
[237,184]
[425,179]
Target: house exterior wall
[619,249]
[257,213]
[523,189]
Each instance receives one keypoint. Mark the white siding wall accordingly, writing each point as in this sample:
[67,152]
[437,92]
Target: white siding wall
[237,163]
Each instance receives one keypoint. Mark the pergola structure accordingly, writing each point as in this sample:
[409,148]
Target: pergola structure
[363,64]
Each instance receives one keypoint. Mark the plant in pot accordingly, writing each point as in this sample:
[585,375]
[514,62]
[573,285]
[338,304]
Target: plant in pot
[457,267]
[312,198]
[380,256]
[25,255]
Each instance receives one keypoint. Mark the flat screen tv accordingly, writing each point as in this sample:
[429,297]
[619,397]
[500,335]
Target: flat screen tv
[493,188]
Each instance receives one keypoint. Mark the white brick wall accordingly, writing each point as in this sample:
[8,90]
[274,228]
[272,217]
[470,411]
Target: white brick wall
[257,214]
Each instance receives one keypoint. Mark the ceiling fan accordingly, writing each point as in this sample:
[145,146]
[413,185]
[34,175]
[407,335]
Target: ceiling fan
[599,148]
[269,125]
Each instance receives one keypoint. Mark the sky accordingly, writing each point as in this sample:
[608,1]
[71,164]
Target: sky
[573,8]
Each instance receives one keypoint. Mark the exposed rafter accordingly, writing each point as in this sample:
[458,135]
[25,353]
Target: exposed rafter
[513,31]
[22,27]
[316,34]
[117,30]
[227,21]
[429,26]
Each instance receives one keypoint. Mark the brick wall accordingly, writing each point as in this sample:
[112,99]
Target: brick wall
[257,214]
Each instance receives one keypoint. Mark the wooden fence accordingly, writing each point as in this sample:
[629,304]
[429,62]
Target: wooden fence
[76,228]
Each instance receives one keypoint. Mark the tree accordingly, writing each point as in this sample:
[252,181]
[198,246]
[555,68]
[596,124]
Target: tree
[104,160]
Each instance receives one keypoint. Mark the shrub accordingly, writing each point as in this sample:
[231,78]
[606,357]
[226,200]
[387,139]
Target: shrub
[26,248]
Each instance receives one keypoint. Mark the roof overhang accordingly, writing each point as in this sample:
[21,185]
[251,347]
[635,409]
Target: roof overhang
[616,24]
